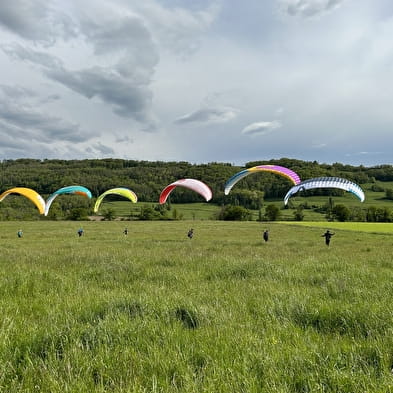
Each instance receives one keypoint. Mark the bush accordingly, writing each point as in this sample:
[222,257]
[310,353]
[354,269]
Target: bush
[234,213]
[298,214]
[158,212]
[341,213]
[109,214]
[389,194]
[77,214]
[272,213]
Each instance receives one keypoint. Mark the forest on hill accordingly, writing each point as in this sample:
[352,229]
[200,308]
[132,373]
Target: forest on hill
[148,178]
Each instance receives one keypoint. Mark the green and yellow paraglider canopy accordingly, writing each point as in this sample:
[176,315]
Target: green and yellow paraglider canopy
[122,191]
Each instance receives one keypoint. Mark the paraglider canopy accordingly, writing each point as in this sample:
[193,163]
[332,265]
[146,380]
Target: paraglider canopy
[28,193]
[277,169]
[192,184]
[77,190]
[122,191]
[326,182]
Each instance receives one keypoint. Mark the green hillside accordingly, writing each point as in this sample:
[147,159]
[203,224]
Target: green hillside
[147,179]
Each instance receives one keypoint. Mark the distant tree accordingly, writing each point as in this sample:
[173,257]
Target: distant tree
[272,213]
[157,212]
[176,215]
[379,214]
[298,214]
[371,214]
[77,214]
[109,214]
[234,213]
[357,214]
[341,213]
[383,214]
[147,213]
[377,188]
[55,212]
[389,194]
[162,211]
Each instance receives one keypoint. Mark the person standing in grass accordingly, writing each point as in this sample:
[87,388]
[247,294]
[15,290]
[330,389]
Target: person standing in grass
[265,235]
[80,232]
[125,231]
[190,233]
[20,233]
[327,235]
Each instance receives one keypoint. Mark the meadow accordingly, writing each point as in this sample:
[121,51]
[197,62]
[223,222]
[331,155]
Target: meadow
[154,311]
[368,227]
[208,211]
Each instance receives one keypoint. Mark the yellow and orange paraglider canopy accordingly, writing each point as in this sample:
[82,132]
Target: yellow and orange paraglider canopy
[28,193]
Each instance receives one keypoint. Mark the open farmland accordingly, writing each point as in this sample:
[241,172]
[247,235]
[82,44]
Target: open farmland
[224,312]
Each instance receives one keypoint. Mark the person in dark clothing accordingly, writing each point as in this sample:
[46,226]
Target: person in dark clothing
[190,233]
[80,232]
[20,233]
[327,235]
[125,231]
[265,235]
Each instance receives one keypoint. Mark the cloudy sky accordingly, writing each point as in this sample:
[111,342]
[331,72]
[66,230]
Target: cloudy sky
[197,80]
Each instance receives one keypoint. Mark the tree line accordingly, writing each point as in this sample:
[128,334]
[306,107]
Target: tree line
[148,178]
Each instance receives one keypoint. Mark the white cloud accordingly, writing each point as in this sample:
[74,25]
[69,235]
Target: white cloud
[208,115]
[319,145]
[261,128]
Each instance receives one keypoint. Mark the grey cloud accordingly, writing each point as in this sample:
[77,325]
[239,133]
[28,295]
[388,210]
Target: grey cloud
[124,139]
[129,37]
[117,34]
[21,53]
[50,98]
[28,123]
[310,8]
[11,138]
[35,21]
[208,115]
[16,143]
[102,149]
[261,128]
[178,29]
[129,97]
[15,92]
[125,85]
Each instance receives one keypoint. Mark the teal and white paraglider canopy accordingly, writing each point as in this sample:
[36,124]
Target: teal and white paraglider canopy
[326,182]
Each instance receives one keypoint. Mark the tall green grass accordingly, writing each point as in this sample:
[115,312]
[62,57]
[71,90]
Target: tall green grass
[368,227]
[224,312]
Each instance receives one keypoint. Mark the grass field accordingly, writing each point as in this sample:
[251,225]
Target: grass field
[224,312]
[368,227]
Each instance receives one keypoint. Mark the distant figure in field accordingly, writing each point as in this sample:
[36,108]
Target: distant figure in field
[190,233]
[125,231]
[327,235]
[20,233]
[80,232]
[265,235]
